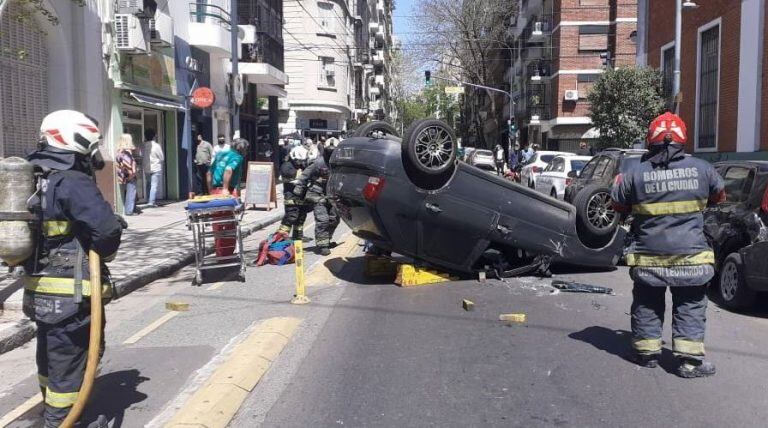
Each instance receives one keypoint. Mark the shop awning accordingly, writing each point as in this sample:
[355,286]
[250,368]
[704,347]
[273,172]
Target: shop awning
[156,102]
[267,90]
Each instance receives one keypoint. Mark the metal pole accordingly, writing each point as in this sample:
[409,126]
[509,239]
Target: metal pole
[511,108]
[678,38]
[235,72]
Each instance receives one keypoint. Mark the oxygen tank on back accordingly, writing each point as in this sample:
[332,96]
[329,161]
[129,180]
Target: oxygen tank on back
[17,231]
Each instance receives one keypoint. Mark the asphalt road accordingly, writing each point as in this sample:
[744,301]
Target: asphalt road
[368,353]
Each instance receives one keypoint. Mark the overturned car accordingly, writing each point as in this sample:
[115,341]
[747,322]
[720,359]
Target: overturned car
[411,196]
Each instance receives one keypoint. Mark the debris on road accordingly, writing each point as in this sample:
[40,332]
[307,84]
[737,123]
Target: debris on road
[468,305]
[577,287]
[512,318]
[481,276]
[177,306]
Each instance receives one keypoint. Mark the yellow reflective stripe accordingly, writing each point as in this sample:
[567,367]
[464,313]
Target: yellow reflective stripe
[42,380]
[62,286]
[668,208]
[647,346]
[60,400]
[688,347]
[284,229]
[702,258]
[56,227]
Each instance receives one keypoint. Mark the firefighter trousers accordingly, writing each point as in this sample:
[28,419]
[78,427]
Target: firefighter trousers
[294,218]
[62,350]
[689,317]
[326,221]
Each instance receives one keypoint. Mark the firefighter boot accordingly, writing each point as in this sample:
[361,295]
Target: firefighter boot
[650,361]
[691,368]
[324,251]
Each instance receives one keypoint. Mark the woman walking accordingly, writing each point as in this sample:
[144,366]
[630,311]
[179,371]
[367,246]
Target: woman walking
[126,172]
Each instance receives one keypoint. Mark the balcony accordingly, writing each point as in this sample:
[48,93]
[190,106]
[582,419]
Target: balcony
[374,105]
[538,29]
[361,58]
[537,113]
[539,70]
[378,57]
[379,80]
[374,28]
[209,29]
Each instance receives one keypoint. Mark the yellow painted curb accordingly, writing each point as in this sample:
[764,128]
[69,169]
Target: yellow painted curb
[217,401]
[326,271]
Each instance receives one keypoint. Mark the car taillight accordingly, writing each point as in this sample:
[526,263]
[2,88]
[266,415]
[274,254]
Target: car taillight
[764,203]
[568,181]
[536,169]
[373,188]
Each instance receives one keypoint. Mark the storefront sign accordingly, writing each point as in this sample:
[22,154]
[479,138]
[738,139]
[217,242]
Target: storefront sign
[318,123]
[203,97]
[156,72]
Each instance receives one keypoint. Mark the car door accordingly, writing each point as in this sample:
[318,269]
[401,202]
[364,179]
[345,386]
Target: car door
[737,182]
[544,182]
[456,222]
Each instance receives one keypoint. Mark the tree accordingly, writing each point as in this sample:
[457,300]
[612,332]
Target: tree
[624,101]
[467,39]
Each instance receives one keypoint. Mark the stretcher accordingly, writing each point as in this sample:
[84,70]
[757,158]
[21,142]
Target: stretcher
[216,219]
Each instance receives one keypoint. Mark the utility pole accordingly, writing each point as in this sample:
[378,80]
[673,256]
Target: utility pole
[679,7]
[235,75]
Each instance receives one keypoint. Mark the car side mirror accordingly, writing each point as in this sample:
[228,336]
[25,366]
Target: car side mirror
[573,174]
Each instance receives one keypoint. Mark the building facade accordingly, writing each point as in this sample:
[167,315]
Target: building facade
[560,49]
[337,60]
[722,66]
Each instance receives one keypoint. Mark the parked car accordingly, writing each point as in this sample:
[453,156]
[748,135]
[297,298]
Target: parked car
[736,229]
[410,196]
[554,179]
[536,165]
[468,153]
[482,159]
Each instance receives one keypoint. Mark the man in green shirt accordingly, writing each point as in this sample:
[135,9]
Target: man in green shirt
[226,171]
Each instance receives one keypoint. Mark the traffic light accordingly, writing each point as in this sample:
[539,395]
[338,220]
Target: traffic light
[427,77]
[607,59]
[512,127]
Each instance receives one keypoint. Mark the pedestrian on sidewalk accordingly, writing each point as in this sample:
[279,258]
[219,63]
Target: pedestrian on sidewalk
[76,219]
[203,159]
[584,149]
[153,159]
[226,173]
[498,157]
[125,164]
[668,246]
[221,146]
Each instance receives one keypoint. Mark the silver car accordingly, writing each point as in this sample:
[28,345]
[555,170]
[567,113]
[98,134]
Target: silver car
[482,159]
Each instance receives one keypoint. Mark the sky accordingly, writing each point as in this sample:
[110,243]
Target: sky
[401,18]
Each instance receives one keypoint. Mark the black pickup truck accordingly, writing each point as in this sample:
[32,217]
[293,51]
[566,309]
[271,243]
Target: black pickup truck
[413,197]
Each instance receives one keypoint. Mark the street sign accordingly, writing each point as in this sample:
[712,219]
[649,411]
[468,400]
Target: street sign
[202,97]
[453,90]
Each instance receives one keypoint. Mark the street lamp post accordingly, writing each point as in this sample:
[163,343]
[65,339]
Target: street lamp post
[680,6]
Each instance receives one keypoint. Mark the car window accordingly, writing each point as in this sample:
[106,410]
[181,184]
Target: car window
[559,165]
[738,183]
[578,165]
[546,158]
[603,167]
[589,168]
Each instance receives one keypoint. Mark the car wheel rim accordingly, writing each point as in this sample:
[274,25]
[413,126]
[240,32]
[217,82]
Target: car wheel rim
[376,133]
[599,211]
[434,147]
[729,281]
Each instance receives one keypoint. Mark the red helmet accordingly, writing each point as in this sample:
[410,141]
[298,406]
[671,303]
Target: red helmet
[667,128]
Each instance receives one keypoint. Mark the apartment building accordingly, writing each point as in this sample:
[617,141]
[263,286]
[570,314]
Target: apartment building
[561,48]
[723,64]
[337,58]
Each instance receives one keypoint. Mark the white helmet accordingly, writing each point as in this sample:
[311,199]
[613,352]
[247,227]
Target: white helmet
[71,131]
[298,153]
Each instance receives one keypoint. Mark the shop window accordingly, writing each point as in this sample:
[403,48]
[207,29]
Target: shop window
[708,88]
[593,38]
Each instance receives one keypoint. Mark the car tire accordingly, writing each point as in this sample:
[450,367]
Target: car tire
[731,287]
[369,129]
[596,220]
[430,147]
[553,193]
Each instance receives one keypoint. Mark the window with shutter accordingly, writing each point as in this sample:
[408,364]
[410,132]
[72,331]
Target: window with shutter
[593,38]
[24,83]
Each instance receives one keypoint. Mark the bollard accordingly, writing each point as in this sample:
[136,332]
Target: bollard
[301,294]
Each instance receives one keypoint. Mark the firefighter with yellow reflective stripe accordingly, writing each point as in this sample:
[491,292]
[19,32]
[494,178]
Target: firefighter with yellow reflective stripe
[666,193]
[74,219]
[295,208]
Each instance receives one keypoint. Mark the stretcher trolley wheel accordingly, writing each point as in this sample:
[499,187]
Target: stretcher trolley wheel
[198,279]
[241,275]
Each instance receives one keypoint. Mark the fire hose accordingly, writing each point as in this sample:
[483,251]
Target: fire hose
[94,343]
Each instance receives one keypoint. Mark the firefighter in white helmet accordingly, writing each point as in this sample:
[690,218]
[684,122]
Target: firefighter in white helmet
[75,218]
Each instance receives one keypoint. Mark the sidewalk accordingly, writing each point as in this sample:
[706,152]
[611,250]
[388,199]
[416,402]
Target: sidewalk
[156,244]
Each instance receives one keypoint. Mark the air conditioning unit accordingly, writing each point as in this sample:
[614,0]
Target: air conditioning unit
[129,34]
[537,27]
[571,95]
[161,29]
[140,8]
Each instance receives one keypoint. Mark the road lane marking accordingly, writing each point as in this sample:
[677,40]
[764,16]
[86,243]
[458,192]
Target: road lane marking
[222,394]
[21,410]
[215,286]
[150,328]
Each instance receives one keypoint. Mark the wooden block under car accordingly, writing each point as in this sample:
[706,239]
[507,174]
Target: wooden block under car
[376,266]
[177,306]
[411,276]
[468,305]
